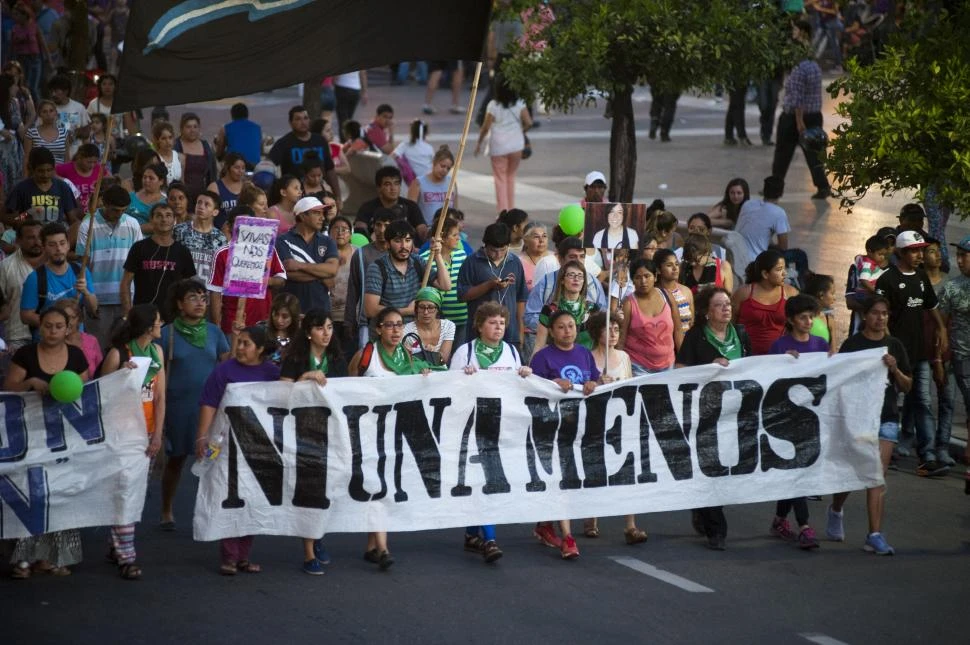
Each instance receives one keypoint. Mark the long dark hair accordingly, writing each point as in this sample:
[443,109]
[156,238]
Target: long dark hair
[141,318]
[6,82]
[299,347]
[732,210]
[765,261]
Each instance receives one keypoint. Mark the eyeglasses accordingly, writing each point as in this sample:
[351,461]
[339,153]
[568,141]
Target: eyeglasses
[426,307]
[392,325]
[339,229]
[197,298]
[572,275]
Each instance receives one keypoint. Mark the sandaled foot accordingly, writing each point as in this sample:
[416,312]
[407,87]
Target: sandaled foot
[167,525]
[112,556]
[130,571]
[245,566]
[21,571]
[634,535]
[373,556]
[228,569]
[590,529]
[474,543]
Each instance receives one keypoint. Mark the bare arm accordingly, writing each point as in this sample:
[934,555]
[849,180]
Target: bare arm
[783,241]
[215,307]
[125,290]
[354,366]
[331,176]
[625,323]
[206,415]
[413,190]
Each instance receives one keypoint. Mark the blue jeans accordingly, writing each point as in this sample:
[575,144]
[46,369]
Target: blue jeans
[420,69]
[917,407]
[487,532]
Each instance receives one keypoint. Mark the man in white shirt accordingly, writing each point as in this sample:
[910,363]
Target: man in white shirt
[13,272]
[71,114]
[760,220]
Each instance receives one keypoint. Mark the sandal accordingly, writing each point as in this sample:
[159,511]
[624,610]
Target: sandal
[635,535]
[590,529]
[373,556]
[21,571]
[112,556]
[228,569]
[474,543]
[245,566]
[46,567]
[491,552]
[129,571]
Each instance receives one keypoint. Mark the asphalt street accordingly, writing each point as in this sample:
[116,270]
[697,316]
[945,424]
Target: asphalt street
[668,590]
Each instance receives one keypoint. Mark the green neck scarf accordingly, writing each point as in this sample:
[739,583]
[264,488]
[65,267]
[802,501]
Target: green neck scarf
[730,347]
[402,363]
[322,365]
[194,334]
[576,308]
[486,354]
[149,352]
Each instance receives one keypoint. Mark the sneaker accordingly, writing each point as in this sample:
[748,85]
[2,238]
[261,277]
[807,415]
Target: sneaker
[903,451]
[473,543]
[491,552]
[822,193]
[781,528]
[313,567]
[716,543]
[943,457]
[876,543]
[320,552]
[547,535]
[806,539]
[457,109]
[834,529]
[569,549]
[385,560]
[427,109]
[931,468]
[730,141]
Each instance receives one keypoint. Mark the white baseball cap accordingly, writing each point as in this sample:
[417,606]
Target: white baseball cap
[307,204]
[595,176]
[910,240]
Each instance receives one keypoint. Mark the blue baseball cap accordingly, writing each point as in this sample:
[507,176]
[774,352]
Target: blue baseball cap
[964,244]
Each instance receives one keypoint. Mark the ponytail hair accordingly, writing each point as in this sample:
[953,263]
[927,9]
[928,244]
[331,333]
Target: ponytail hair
[141,318]
[444,152]
[419,130]
[765,261]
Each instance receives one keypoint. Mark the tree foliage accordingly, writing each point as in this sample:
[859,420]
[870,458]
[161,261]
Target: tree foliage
[909,116]
[598,49]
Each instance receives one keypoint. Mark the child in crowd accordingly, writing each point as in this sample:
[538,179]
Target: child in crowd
[283,324]
[822,288]
[871,265]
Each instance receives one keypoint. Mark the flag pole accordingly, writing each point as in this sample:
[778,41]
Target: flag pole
[454,171]
[96,197]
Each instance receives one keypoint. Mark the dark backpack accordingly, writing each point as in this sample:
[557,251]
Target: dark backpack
[41,273]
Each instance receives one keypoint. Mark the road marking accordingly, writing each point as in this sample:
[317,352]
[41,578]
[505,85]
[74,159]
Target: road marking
[660,574]
[821,639]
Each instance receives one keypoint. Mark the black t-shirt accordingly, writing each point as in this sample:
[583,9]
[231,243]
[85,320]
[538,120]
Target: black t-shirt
[858,343]
[155,269]
[288,153]
[43,205]
[404,209]
[908,294]
[293,367]
[695,350]
[26,357]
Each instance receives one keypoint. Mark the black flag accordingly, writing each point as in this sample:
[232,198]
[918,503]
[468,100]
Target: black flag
[195,50]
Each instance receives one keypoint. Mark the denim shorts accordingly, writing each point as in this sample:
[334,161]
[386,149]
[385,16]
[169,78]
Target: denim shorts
[889,431]
[961,373]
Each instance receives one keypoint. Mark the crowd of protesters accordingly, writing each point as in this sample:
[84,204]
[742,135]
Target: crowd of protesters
[527,297]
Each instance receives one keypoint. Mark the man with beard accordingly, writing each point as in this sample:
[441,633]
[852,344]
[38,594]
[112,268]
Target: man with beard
[13,272]
[394,278]
[154,264]
[359,262]
[55,280]
[388,180]
[114,233]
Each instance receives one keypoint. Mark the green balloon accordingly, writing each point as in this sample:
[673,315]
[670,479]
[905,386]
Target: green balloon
[572,219]
[66,386]
[359,240]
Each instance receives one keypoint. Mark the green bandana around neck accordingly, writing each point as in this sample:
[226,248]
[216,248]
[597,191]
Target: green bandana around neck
[194,334]
[486,354]
[730,347]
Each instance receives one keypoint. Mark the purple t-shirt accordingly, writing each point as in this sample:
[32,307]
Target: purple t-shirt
[575,365]
[787,343]
[232,371]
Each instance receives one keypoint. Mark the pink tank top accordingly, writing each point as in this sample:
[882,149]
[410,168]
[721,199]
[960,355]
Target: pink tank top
[650,339]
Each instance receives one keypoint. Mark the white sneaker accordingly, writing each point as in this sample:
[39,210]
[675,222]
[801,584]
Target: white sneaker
[834,528]
[943,456]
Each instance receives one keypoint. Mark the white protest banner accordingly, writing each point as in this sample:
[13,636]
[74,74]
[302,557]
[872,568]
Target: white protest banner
[446,450]
[250,250]
[72,465]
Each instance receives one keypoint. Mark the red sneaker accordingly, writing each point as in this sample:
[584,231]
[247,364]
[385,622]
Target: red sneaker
[547,535]
[569,549]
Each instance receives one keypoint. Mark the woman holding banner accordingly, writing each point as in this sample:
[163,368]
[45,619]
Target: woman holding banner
[313,356]
[382,358]
[192,347]
[713,338]
[32,368]
[251,364]
[137,337]
[650,331]
[487,352]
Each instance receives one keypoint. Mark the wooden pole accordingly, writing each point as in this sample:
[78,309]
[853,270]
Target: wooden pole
[96,197]
[454,171]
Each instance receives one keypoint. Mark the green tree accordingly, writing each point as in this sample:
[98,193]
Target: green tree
[605,49]
[908,117]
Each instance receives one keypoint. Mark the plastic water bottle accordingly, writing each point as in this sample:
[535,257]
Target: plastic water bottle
[211,454]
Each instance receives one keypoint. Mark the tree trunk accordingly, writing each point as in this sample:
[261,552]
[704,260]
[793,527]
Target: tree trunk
[623,147]
[79,47]
[311,96]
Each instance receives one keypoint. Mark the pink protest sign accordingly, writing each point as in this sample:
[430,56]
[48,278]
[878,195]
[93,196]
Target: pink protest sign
[250,251]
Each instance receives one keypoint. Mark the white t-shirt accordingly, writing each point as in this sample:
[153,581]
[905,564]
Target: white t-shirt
[447,333]
[548,264]
[633,240]
[758,222]
[73,116]
[507,135]
[465,355]
[419,155]
[350,80]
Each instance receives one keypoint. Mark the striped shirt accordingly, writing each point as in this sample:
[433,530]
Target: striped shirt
[109,250]
[58,146]
[451,308]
